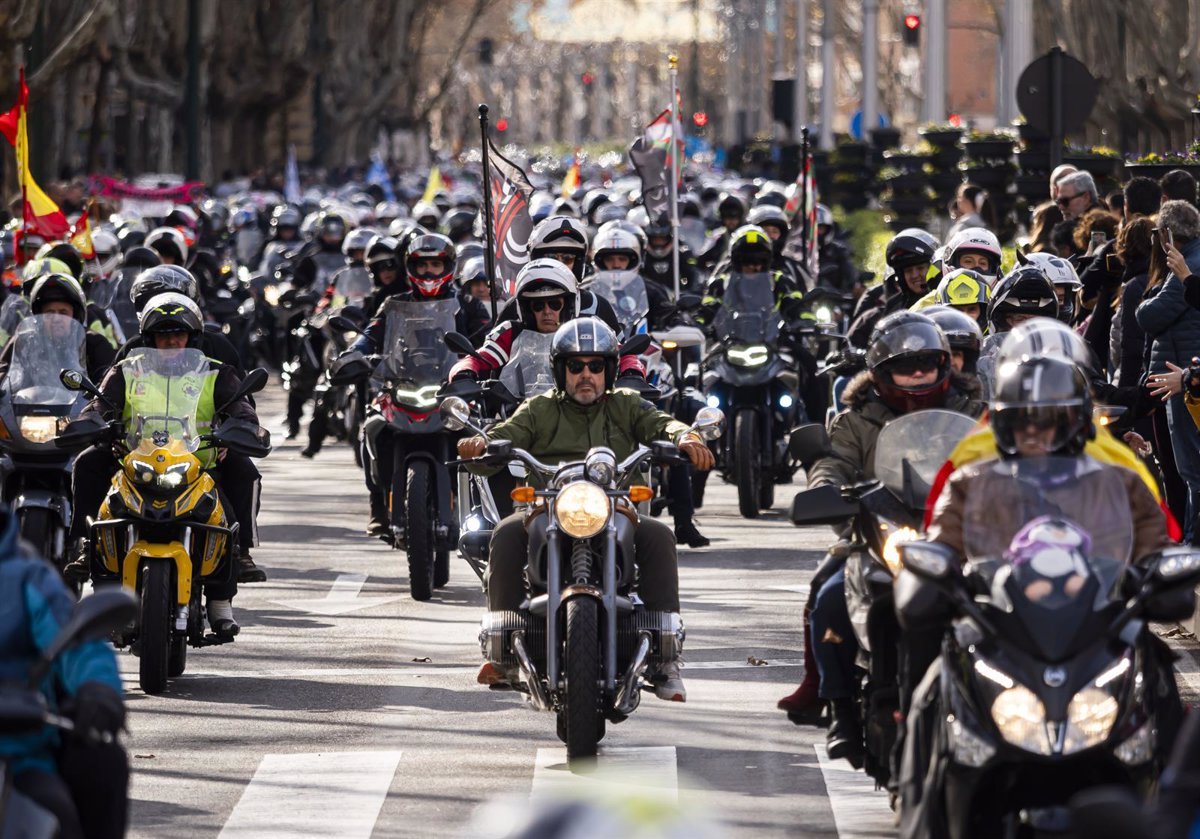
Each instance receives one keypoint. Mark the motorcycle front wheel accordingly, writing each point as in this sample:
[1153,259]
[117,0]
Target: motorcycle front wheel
[581,719]
[747,460]
[154,634]
[418,530]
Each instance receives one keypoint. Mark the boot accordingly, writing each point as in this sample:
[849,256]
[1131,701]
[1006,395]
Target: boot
[687,534]
[220,618]
[78,569]
[378,525]
[845,738]
[803,706]
[495,676]
[248,572]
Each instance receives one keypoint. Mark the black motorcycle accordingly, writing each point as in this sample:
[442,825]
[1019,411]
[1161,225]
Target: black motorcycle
[582,642]
[1050,680]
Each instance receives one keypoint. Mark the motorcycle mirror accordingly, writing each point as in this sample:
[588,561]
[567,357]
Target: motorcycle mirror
[930,560]
[636,345]
[76,381]
[822,505]
[1176,564]
[344,324]
[809,443]
[461,344]
[688,302]
[455,413]
[709,423]
[95,616]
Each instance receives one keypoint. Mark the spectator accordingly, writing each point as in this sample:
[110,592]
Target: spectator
[1057,175]
[1077,194]
[1178,185]
[1142,197]
[1062,238]
[971,207]
[1045,217]
[1094,228]
[1115,201]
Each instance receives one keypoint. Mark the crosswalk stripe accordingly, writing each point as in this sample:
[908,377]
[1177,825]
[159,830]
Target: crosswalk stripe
[639,767]
[336,795]
[859,810]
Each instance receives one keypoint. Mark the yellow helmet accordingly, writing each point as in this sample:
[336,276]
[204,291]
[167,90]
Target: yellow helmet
[963,287]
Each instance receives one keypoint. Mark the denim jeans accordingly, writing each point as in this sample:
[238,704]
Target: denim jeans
[833,642]
[1185,445]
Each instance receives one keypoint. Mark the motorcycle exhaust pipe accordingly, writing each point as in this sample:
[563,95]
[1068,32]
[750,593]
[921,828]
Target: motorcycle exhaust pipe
[536,692]
[628,695]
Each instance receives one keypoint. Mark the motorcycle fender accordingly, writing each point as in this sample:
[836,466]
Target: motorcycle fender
[441,479]
[371,428]
[172,551]
[578,590]
[45,500]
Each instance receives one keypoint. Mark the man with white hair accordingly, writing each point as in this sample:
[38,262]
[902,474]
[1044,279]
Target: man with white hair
[1076,195]
[1060,172]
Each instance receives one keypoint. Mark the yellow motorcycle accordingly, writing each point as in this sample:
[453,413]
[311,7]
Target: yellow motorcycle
[162,531]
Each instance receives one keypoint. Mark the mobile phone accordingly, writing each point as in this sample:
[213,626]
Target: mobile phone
[1168,240]
[1098,239]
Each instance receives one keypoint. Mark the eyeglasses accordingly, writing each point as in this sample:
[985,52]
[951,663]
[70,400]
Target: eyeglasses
[554,304]
[1064,200]
[915,364]
[575,366]
[565,257]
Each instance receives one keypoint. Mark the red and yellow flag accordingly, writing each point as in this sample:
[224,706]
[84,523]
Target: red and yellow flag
[80,236]
[41,214]
[572,179]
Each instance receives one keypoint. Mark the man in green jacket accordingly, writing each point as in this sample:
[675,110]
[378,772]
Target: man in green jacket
[581,412]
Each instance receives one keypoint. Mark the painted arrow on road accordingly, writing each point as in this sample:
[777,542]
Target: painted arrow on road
[340,600]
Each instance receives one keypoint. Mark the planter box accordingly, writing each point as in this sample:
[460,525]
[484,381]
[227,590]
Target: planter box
[907,204]
[885,138]
[991,179]
[913,180]
[947,158]
[851,154]
[1097,167]
[1034,161]
[907,162]
[947,182]
[988,149]
[1157,170]
[1033,187]
[941,138]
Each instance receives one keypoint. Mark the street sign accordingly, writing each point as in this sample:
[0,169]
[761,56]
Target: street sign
[1056,94]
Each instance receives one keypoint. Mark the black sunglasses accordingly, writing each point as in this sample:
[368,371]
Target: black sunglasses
[1064,200]
[575,366]
[916,364]
[555,304]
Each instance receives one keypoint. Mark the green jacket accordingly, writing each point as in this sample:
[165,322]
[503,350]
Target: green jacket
[554,428]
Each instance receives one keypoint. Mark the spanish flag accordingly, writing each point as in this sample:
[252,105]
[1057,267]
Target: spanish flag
[571,180]
[42,215]
[80,236]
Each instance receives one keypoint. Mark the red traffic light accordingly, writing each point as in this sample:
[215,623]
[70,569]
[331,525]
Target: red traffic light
[912,21]
[700,118]
[502,124]
[588,78]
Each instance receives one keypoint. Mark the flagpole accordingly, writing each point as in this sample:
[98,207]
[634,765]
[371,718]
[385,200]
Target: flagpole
[803,210]
[490,235]
[676,124]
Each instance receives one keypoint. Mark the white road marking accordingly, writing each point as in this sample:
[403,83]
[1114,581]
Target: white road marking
[640,767]
[336,795]
[859,810]
[801,589]
[342,598]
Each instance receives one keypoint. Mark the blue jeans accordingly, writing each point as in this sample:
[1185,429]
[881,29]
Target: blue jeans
[1185,445]
[833,642]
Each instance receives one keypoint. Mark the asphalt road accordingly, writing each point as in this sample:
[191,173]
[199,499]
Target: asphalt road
[347,709]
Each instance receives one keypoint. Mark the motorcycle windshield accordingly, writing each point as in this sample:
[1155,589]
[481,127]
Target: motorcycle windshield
[1008,495]
[352,287]
[43,347]
[747,314]
[626,291]
[912,448]
[413,348]
[528,371]
[12,312]
[121,303]
[164,392]
[692,233]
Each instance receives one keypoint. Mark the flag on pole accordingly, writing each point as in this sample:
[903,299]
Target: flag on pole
[433,186]
[801,204]
[651,166]
[291,178]
[511,222]
[41,215]
[378,174]
[80,235]
[572,179]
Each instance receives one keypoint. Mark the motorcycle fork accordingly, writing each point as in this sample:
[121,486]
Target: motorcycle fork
[554,592]
[609,599]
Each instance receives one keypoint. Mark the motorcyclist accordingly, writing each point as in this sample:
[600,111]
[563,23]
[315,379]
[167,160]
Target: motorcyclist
[962,289]
[284,238]
[473,279]
[658,265]
[95,318]
[616,249]
[1066,283]
[775,221]
[731,214]
[1023,294]
[171,321]
[59,294]
[908,369]
[563,238]
[582,411]
[430,270]
[318,260]
[82,781]
[976,248]
[963,335]
[836,265]
[909,255]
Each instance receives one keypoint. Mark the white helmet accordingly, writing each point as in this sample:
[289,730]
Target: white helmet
[167,241]
[615,241]
[1060,271]
[108,252]
[975,240]
[546,278]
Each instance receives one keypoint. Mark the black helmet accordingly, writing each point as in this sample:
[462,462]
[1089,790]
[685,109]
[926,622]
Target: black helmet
[430,246]
[130,235]
[750,243]
[1024,291]
[584,336]
[732,205]
[458,225]
[659,227]
[330,230]
[962,333]
[768,215]
[64,252]
[909,247]
[1046,393]
[62,288]
[898,341]
[170,312]
[140,256]
[160,280]
[285,216]
[381,255]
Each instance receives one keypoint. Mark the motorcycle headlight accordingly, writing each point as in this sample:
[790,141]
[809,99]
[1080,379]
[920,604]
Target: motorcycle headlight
[754,355]
[1090,718]
[581,509]
[174,477]
[891,548]
[601,468]
[823,314]
[1021,719]
[39,429]
[143,473]
[421,397]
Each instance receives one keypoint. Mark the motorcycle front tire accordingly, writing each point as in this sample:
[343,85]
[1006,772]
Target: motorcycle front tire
[418,530]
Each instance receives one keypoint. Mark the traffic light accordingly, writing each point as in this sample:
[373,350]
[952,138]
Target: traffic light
[587,78]
[502,124]
[700,118]
[912,30]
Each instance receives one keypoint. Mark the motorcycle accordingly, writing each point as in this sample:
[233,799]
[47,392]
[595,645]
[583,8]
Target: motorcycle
[583,642]
[413,363]
[749,376]
[886,512]
[1050,680]
[24,710]
[162,531]
[34,408]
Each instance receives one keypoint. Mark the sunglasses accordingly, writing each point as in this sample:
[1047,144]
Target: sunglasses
[554,304]
[1064,200]
[916,364]
[575,366]
[1040,417]
[565,257]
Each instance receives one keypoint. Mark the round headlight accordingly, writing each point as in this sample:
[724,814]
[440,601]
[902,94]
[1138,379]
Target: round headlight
[1021,719]
[1090,718]
[170,480]
[581,509]
[601,467]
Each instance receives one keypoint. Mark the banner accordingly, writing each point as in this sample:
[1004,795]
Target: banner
[144,201]
[511,222]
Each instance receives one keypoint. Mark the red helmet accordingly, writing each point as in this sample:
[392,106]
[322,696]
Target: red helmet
[430,246]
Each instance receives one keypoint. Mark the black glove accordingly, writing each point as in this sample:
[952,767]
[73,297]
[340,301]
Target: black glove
[1191,379]
[631,373]
[96,707]
[467,374]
